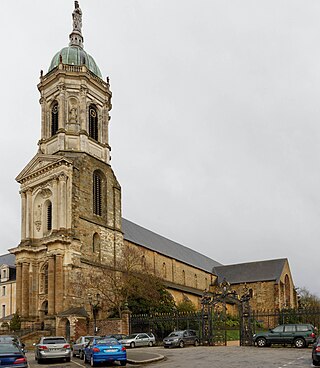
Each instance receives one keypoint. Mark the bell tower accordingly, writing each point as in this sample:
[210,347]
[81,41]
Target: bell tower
[70,197]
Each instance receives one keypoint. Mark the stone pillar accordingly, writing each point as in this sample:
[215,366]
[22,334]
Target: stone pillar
[25,290]
[55,207]
[28,213]
[33,289]
[23,215]
[19,288]
[59,283]
[63,200]
[51,286]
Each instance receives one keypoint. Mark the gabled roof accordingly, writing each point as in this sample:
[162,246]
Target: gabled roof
[8,259]
[148,239]
[269,270]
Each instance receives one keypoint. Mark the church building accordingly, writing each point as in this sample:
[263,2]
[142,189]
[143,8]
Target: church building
[71,221]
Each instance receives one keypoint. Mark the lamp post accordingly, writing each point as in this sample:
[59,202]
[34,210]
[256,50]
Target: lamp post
[95,306]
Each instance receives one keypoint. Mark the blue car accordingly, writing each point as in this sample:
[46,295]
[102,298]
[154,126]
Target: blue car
[12,356]
[104,349]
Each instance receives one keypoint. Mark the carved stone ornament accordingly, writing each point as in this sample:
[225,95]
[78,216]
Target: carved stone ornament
[45,193]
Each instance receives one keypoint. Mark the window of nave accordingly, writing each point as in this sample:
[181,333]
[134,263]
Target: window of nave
[93,122]
[54,118]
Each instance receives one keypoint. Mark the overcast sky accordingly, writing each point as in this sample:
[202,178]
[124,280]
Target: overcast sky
[215,128]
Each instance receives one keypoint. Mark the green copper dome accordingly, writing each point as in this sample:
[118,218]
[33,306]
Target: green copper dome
[74,55]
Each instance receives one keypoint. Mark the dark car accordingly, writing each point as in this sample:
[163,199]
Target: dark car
[181,338]
[299,335]
[316,353]
[104,349]
[14,339]
[12,356]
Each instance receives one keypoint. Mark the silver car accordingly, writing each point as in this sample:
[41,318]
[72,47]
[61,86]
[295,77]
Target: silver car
[137,339]
[52,348]
[78,346]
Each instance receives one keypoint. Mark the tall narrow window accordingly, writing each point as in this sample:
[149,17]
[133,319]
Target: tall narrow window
[54,118]
[3,290]
[3,311]
[97,194]
[96,243]
[49,216]
[93,122]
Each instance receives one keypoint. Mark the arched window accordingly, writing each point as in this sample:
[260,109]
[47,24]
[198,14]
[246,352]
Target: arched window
[54,118]
[164,270]
[96,243]
[195,280]
[97,189]
[93,122]
[184,277]
[49,216]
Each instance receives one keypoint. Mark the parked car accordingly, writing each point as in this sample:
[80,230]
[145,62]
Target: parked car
[152,337]
[104,349]
[316,353]
[181,338]
[54,347]
[138,339]
[117,336]
[300,335]
[78,346]
[11,355]
[14,339]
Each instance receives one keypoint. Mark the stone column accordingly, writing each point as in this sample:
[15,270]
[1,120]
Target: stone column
[23,215]
[19,287]
[25,290]
[59,283]
[55,207]
[28,213]
[63,200]
[51,286]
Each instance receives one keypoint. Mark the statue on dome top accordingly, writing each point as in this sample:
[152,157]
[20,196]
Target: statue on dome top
[77,17]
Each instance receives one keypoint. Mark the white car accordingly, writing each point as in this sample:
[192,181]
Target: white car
[138,339]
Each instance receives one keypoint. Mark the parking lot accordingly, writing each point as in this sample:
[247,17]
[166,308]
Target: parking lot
[213,357]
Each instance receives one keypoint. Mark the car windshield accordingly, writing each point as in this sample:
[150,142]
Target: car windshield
[107,342]
[176,333]
[7,339]
[88,338]
[56,340]
[133,336]
[9,348]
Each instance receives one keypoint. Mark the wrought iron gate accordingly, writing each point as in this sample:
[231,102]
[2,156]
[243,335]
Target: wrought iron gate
[214,315]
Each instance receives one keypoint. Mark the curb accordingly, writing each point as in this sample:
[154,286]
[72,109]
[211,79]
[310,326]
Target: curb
[159,357]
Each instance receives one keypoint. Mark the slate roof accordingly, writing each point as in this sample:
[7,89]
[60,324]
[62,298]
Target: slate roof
[269,270]
[148,239]
[8,259]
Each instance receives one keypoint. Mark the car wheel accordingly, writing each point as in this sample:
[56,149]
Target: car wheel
[40,360]
[299,343]
[316,363]
[150,343]
[73,353]
[68,360]
[181,344]
[261,342]
[196,343]
[132,344]
[81,354]
[92,362]
[123,363]
[84,358]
